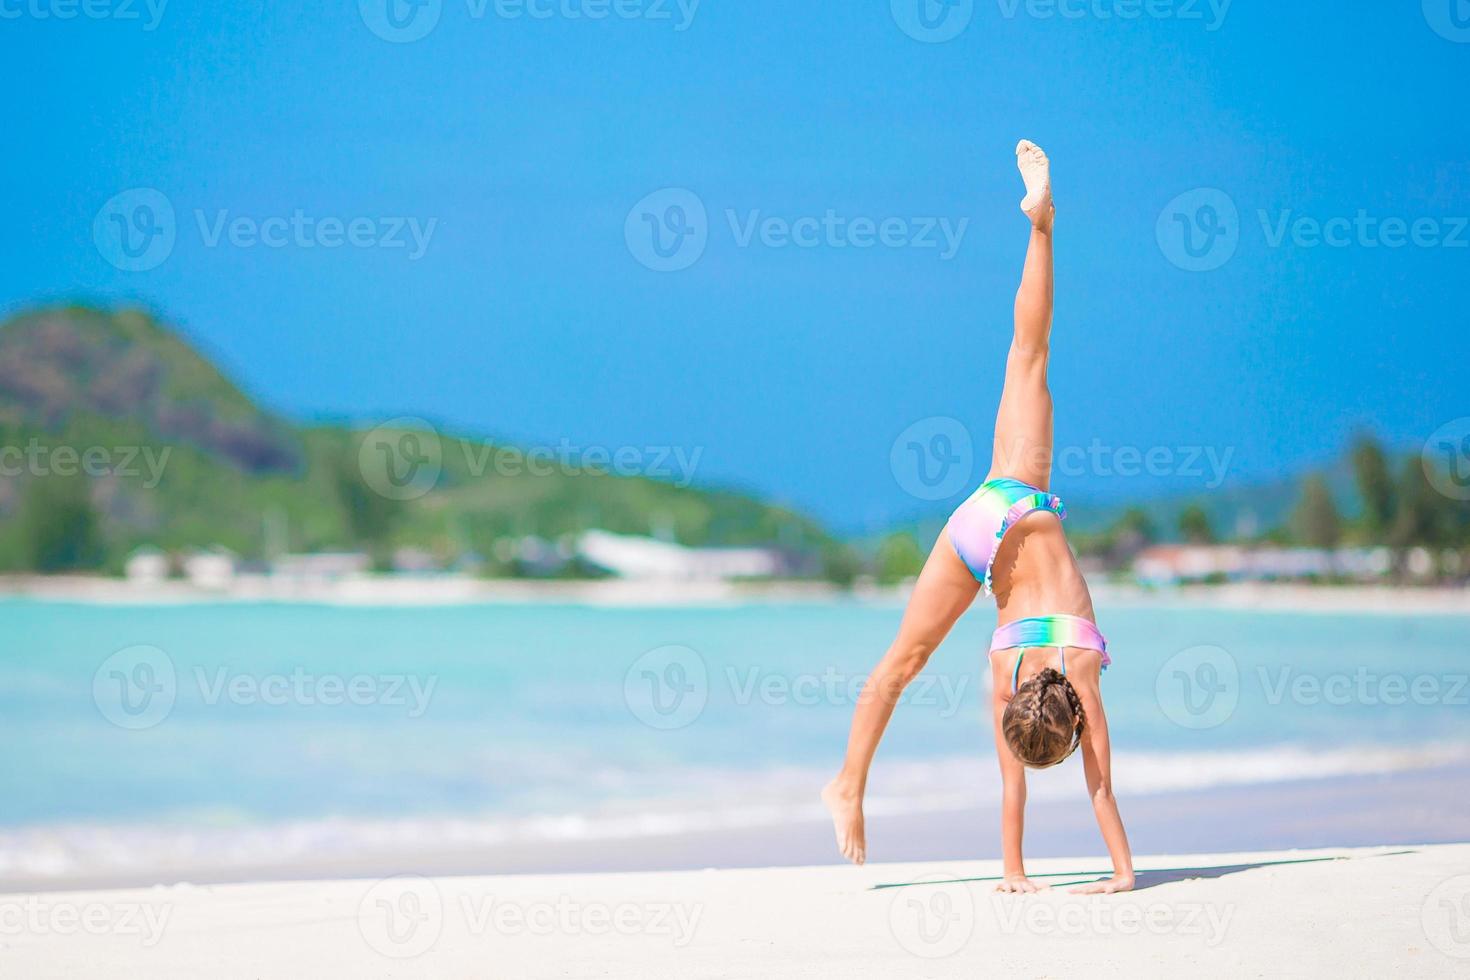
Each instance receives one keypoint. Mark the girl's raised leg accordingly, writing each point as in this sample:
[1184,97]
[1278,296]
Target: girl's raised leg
[1023,424]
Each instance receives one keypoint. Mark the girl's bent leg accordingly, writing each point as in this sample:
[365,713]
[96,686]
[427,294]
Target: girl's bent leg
[943,592]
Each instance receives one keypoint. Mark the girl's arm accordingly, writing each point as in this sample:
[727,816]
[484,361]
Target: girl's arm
[1013,796]
[1098,767]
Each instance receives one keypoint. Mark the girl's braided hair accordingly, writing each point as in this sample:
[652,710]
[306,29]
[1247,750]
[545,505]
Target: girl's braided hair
[1043,722]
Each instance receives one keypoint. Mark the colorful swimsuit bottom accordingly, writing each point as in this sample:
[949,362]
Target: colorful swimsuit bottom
[978,524]
[976,529]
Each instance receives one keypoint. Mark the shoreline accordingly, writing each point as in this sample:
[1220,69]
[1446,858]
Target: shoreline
[450,590]
[1335,811]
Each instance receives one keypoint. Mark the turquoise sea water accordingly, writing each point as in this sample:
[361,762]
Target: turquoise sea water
[244,717]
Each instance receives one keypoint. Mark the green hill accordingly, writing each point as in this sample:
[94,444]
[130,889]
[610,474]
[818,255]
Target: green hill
[176,455]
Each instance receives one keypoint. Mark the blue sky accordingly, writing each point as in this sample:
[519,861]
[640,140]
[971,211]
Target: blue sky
[521,144]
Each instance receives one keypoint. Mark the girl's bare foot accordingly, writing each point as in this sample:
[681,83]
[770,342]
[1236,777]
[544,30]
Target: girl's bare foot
[1036,172]
[846,808]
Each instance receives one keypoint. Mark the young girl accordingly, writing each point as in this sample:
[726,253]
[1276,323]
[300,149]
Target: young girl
[1047,655]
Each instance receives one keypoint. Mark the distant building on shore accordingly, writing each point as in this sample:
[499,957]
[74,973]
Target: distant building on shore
[210,568]
[1168,564]
[628,556]
[146,566]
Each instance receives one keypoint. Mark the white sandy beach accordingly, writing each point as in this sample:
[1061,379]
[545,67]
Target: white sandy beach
[1367,912]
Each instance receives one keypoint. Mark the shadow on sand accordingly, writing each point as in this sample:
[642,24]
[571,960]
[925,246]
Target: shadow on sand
[1148,878]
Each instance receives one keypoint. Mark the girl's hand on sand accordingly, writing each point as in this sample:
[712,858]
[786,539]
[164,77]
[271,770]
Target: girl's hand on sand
[1108,886]
[1019,885]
